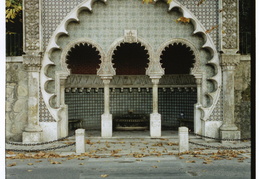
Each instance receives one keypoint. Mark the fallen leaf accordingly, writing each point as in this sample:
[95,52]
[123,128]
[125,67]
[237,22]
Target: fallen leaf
[104,176]
[158,161]
[29,163]
[183,19]
[181,157]
[191,161]
[200,2]
[139,160]
[10,152]
[147,1]
[211,29]
[55,162]
[172,143]
[29,170]
[11,165]
[81,164]
[154,166]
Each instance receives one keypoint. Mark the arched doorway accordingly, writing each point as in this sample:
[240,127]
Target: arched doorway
[131,94]
[177,88]
[84,93]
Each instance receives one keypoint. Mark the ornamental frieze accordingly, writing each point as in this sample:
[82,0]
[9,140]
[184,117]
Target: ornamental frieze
[31,18]
[81,81]
[230,33]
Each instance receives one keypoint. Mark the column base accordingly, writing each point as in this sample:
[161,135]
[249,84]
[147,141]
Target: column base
[155,125]
[32,137]
[33,128]
[106,125]
[229,135]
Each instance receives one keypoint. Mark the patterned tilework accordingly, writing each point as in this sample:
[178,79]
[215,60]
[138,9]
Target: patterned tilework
[217,114]
[89,105]
[116,14]
[44,114]
[207,13]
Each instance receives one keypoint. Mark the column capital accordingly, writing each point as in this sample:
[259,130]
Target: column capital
[155,81]
[32,62]
[230,60]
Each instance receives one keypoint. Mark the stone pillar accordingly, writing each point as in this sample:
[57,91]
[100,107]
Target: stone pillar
[229,59]
[183,139]
[32,46]
[33,132]
[106,118]
[229,130]
[155,117]
[197,112]
[80,141]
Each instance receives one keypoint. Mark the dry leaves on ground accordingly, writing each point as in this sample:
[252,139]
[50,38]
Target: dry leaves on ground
[104,176]
[11,165]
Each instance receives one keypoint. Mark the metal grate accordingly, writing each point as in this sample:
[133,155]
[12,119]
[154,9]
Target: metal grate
[174,102]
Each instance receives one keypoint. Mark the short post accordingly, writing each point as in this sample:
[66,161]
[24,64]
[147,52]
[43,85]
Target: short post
[183,139]
[80,141]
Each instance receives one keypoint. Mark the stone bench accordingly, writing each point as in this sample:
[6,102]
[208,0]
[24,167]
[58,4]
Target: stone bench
[75,124]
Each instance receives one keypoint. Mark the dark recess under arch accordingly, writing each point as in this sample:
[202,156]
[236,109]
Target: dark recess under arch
[130,59]
[177,59]
[83,59]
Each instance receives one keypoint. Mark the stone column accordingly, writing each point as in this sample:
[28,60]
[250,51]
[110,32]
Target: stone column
[106,118]
[229,59]
[32,46]
[197,113]
[33,132]
[155,117]
[229,130]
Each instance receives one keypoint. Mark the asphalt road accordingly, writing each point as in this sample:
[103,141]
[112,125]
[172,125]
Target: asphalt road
[152,167]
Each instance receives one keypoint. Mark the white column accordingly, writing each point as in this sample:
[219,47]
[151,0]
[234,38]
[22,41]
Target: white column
[155,117]
[106,118]
[197,113]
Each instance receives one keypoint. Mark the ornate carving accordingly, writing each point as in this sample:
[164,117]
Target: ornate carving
[130,36]
[229,60]
[31,17]
[230,24]
[32,62]
[92,81]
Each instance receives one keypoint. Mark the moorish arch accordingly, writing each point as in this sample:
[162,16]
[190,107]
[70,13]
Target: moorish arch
[154,70]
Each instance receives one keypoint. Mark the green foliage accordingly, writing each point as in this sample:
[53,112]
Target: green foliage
[13,16]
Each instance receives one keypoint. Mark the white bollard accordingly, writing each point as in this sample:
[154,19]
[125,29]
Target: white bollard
[183,139]
[80,141]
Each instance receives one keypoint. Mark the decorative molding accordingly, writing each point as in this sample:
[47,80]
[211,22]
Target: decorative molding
[32,25]
[93,81]
[130,36]
[229,60]
[32,62]
[196,66]
[230,26]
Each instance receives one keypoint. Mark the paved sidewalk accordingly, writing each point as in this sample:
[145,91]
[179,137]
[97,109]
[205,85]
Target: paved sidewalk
[133,143]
